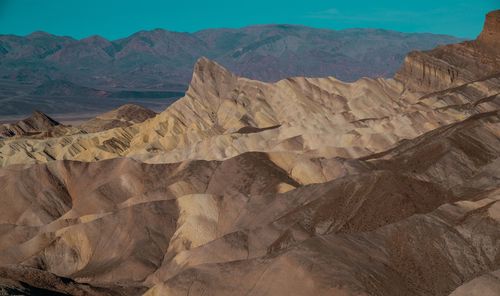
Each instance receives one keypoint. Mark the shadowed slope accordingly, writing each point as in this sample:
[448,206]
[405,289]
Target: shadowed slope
[128,224]
[422,255]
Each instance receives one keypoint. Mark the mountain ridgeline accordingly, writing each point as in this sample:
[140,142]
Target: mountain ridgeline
[161,59]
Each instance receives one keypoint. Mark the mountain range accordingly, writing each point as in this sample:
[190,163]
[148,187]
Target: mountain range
[302,186]
[158,63]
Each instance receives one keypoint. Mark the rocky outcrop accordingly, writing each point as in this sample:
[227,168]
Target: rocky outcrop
[490,36]
[452,65]
[352,119]
[124,116]
[40,125]
[37,125]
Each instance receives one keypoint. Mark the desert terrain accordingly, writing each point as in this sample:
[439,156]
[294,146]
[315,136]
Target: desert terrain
[296,186]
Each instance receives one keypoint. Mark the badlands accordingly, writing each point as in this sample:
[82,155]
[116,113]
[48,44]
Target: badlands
[305,186]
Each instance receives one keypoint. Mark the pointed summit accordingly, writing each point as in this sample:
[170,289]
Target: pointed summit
[38,122]
[210,79]
[490,36]
[41,120]
[205,66]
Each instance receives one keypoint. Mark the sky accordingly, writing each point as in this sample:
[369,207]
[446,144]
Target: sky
[116,19]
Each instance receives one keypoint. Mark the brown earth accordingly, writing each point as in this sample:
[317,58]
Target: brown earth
[306,186]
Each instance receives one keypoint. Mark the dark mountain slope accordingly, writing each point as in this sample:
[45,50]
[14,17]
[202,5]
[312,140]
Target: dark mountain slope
[161,59]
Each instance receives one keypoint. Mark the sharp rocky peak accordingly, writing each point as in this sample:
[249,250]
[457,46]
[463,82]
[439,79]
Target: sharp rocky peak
[208,74]
[42,119]
[204,65]
[490,35]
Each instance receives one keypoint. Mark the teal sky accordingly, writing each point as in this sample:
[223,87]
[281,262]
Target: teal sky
[116,19]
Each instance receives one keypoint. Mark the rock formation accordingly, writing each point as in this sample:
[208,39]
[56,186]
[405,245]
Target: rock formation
[453,65]
[41,126]
[305,186]
[37,125]
[491,30]
[124,116]
[319,114]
